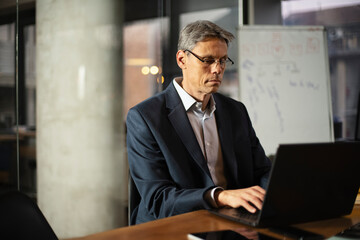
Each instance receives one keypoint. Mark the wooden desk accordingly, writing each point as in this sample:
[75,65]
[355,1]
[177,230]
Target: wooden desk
[177,227]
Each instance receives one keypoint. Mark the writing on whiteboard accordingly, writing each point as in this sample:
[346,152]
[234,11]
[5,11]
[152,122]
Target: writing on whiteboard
[275,67]
[284,83]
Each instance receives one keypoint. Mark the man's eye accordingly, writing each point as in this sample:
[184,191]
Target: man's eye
[209,60]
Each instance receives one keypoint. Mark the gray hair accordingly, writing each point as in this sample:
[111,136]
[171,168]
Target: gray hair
[200,30]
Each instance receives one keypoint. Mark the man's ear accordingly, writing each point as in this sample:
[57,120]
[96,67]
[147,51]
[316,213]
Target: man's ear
[181,59]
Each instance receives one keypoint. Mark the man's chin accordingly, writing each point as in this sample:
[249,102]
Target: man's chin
[215,88]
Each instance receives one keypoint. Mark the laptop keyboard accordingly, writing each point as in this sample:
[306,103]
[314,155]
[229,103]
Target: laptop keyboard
[244,214]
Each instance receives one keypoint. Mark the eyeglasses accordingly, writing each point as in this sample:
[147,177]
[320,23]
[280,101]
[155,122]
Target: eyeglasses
[209,61]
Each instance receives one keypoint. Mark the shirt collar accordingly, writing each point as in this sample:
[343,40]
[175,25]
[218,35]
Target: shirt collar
[188,101]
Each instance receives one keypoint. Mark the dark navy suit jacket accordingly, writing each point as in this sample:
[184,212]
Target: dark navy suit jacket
[166,161]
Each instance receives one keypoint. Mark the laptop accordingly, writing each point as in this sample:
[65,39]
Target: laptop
[308,182]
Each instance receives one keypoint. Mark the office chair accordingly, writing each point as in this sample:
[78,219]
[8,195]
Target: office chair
[21,218]
[134,201]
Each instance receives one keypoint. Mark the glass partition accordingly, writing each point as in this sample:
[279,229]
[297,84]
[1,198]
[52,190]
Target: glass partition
[17,97]
[8,137]
[342,21]
[143,42]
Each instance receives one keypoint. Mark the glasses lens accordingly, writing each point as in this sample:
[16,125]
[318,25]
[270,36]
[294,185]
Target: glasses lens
[209,61]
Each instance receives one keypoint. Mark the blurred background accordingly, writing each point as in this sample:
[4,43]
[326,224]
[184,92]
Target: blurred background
[71,69]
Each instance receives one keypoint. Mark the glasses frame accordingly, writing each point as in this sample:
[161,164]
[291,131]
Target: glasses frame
[227,60]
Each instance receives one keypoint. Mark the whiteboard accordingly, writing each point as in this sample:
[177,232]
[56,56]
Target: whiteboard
[285,84]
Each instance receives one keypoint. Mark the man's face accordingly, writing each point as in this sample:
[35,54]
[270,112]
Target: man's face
[201,78]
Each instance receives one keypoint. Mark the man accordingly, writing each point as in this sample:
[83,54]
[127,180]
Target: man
[189,147]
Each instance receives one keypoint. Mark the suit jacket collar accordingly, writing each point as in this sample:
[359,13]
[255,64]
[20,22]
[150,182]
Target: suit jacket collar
[178,118]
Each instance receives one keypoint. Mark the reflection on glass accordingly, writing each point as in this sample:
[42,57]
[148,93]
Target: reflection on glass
[235,234]
[7,107]
[142,54]
[27,147]
[8,138]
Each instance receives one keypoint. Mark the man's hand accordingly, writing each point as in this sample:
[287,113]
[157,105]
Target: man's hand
[246,197]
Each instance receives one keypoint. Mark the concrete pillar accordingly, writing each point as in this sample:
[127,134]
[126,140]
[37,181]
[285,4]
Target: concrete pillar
[81,169]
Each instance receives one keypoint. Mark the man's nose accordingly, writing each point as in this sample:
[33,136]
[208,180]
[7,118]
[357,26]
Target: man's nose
[216,67]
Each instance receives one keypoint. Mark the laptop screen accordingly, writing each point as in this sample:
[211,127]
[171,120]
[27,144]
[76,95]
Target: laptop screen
[308,182]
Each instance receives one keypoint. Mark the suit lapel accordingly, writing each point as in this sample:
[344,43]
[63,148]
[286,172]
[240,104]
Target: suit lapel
[223,114]
[182,126]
